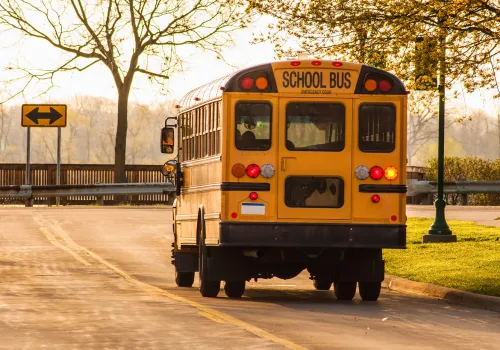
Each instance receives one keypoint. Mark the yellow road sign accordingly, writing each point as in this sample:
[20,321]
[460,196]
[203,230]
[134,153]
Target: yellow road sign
[43,115]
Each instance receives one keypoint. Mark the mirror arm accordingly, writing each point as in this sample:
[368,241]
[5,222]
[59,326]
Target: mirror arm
[174,125]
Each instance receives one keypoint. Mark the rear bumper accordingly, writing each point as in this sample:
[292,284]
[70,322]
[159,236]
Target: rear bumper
[250,234]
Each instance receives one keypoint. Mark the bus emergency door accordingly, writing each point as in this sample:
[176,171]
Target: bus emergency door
[314,167]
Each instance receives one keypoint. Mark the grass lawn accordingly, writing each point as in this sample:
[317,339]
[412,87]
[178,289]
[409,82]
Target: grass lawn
[472,264]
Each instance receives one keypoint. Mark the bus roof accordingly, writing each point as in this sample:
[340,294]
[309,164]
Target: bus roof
[229,83]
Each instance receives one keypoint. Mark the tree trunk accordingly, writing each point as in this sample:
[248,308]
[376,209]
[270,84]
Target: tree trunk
[121,136]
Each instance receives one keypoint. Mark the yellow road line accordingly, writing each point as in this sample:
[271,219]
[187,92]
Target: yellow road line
[214,315]
[210,317]
[205,309]
[55,242]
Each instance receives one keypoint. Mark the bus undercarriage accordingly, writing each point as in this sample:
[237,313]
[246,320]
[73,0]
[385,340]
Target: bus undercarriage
[343,255]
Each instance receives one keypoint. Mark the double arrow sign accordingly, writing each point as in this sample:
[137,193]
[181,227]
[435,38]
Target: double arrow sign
[43,115]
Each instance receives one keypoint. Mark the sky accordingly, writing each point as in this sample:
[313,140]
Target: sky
[198,69]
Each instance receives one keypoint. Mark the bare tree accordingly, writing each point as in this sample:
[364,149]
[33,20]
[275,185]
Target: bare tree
[92,108]
[473,132]
[127,36]
[422,117]
[5,127]
[140,117]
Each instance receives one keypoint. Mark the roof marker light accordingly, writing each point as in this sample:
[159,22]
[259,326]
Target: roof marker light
[316,63]
[337,64]
[384,85]
[261,83]
[370,85]
[247,83]
[295,63]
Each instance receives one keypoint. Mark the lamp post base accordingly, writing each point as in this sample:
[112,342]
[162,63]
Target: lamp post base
[439,238]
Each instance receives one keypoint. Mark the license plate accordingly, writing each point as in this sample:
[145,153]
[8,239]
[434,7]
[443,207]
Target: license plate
[253,208]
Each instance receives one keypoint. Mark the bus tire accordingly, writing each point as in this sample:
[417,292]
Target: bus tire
[234,289]
[322,284]
[369,291]
[184,279]
[345,290]
[208,288]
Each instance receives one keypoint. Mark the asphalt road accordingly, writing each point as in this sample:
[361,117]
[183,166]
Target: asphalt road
[100,278]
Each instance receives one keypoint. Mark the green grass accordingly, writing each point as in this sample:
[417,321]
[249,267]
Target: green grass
[472,264]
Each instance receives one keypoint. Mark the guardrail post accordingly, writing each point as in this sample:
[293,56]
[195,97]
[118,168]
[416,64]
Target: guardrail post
[170,199]
[465,199]
[29,202]
[430,199]
[100,200]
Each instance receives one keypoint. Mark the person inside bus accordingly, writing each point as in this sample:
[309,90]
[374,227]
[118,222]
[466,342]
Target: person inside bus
[248,140]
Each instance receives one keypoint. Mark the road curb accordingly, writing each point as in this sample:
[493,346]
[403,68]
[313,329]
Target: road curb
[451,295]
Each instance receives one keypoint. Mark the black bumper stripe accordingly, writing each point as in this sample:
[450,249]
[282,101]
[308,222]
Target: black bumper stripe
[245,186]
[250,234]
[382,188]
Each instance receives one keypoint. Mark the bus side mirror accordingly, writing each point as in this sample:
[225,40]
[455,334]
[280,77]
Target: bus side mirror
[167,140]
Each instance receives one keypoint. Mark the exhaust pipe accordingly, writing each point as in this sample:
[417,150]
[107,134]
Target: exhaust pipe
[252,253]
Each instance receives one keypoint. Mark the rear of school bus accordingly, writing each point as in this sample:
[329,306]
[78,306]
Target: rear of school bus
[313,175]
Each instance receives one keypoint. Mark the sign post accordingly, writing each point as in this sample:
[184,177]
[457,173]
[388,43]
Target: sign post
[28,170]
[58,173]
[43,115]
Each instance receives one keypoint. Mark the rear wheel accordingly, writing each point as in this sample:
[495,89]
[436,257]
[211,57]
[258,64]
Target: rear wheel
[369,291]
[184,279]
[345,290]
[207,288]
[234,289]
[322,284]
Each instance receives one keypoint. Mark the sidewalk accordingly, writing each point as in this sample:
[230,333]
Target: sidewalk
[480,215]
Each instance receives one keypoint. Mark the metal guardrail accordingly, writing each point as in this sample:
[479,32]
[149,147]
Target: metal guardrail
[416,187]
[29,192]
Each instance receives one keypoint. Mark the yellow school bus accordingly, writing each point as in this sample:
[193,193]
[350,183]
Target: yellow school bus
[290,166]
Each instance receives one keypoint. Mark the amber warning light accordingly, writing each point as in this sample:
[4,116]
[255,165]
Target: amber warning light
[391,173]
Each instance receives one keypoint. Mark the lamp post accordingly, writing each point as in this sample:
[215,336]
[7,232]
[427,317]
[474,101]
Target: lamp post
[439,230]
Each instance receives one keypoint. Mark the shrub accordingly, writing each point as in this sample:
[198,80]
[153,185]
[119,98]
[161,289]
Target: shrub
[471,169]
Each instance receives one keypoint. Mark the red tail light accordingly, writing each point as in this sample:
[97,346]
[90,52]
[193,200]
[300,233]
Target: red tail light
[375,198]
[376,173]
[253,195]
[253,170]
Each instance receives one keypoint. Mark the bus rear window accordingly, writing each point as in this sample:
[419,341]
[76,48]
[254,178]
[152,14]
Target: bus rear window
[377,128]
[315,126]
[314,192]
[253,126]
